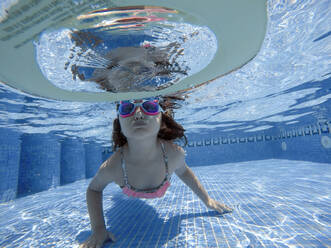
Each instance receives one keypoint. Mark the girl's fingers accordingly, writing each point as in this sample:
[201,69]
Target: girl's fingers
[221,208]
[226,209]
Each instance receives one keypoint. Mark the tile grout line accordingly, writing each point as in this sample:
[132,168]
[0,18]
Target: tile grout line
[132,227]
[172,219]
[239,213]
[160,201]
[166,217]
[305,223]
[180,214]
[225,217]
[295,232]
[290,214]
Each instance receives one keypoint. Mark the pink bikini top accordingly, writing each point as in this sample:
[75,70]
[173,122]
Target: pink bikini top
[156,192]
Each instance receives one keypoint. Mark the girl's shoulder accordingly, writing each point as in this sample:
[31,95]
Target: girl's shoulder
[113,161]
[176,156]
[172,146]
[107,173]
[174,151]
[113,165]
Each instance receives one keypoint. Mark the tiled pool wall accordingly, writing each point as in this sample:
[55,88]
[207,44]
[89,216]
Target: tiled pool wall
[30,163]
[310,143]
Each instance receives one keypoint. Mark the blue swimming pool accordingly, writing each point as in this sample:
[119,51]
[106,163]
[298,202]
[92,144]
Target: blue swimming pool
[278,203]
[259,139]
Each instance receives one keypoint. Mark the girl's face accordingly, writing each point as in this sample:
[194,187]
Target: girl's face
[140,125]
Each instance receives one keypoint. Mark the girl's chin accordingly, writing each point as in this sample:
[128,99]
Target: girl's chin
[141,133]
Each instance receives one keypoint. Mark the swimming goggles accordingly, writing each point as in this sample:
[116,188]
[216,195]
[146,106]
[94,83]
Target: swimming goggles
[148,107]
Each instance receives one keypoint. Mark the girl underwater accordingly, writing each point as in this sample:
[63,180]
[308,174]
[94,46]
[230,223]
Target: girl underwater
[144,160]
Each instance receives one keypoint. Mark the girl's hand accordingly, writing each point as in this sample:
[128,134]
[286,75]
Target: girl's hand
[97,239]
[219,207]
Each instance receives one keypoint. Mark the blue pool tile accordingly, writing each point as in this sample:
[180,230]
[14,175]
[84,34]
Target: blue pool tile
[265,214]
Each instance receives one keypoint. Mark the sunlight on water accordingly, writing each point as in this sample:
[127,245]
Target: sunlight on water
[286,84]
[269,86]
[132,49]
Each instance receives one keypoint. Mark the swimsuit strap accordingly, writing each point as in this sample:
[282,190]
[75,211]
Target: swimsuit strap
[126,181]
[124,169]
[165,159]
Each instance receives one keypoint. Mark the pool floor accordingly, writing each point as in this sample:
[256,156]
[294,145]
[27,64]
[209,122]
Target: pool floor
[278,203]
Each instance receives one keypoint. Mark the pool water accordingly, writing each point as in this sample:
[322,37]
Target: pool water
[277,203]
[259,139]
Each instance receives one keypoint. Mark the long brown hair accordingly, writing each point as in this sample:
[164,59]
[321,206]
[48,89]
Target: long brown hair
[169,129]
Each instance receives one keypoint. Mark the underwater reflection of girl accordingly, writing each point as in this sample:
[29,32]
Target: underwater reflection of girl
[143,163]
[129,68]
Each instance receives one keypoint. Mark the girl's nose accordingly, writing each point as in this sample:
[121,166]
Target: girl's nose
[138,114]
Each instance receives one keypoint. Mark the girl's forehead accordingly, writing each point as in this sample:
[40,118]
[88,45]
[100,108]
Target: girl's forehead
[140,100]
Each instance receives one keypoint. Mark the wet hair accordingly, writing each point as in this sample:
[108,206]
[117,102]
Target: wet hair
[169,129]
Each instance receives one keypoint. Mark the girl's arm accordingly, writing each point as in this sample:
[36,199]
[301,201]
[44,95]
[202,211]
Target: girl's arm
[104,176]
[188,177]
